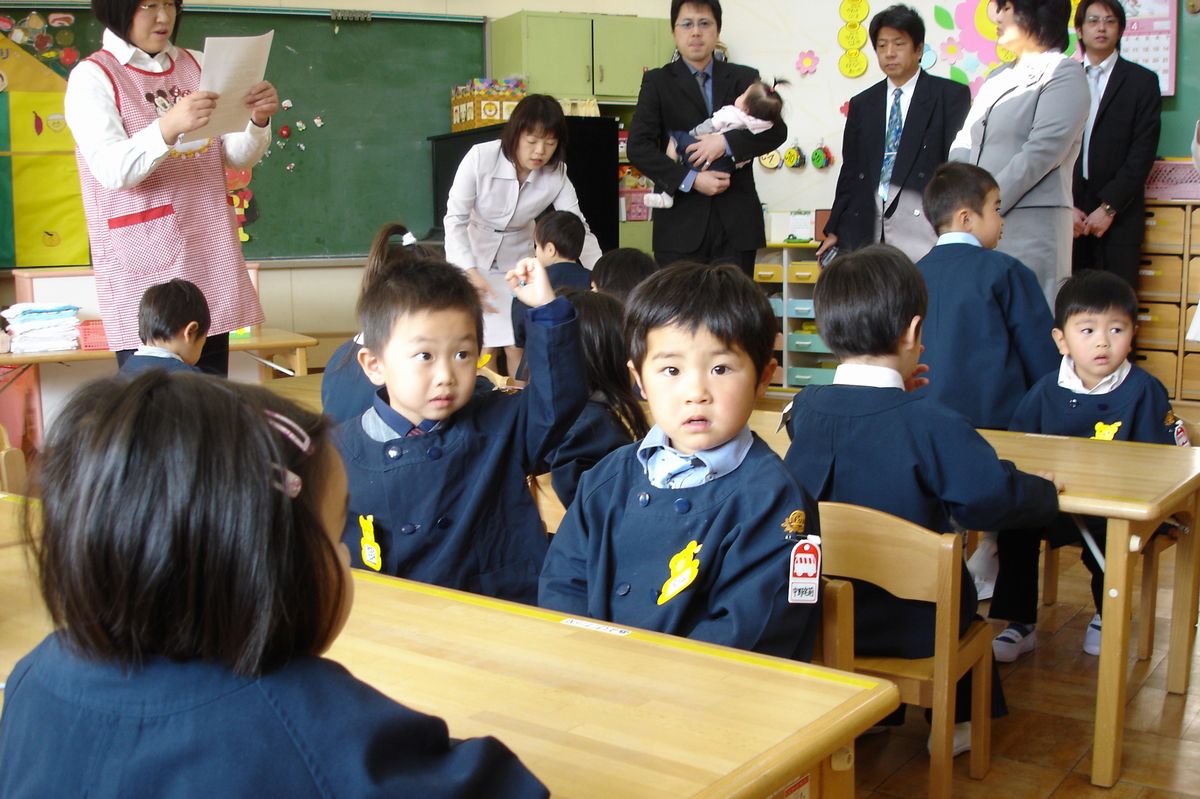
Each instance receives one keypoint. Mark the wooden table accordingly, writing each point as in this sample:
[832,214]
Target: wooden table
[1135,486]
[593,710]
[303,390]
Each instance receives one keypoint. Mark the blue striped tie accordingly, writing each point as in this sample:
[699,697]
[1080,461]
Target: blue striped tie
[891,143]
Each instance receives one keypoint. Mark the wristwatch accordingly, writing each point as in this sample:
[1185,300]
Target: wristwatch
[1108,209]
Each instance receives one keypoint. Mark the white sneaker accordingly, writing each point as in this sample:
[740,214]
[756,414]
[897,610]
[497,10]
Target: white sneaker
[1014,641]
[1091,638]
[658,199]
[962,739]
[983,565]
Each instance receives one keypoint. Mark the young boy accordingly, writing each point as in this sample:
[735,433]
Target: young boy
[557,240]
[437,471]
[1095,393]
[690,531]
[865,441]
[173,326]
[986,332]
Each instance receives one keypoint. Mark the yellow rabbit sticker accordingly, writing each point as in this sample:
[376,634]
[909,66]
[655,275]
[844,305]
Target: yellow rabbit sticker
[684,568]
[371,556]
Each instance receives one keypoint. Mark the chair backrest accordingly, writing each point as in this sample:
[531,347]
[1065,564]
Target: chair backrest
[903,558]
[549,506]
[835,643]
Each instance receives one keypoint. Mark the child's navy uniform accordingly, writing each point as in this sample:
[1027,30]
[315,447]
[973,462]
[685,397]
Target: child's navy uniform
[986,334]
[913,458]
[136,364]
[75,727]
[452,506]
[564,274]
[1137,410]
[596,432]
[613,555]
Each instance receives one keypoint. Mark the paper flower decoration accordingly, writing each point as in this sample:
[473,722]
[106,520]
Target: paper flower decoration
[806,62]
[977,31]
[952,52]
[845,109]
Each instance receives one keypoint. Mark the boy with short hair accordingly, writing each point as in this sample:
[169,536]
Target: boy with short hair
[866,441]
[558,240]
[1095,393]
[173,322]
[437,472]
[690,531]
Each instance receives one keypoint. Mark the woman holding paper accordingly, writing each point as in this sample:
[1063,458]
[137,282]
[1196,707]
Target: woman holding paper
[157,208]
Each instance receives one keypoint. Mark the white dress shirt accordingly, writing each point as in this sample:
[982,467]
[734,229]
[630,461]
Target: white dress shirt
[906,95]
[864,374]
[118,160]
[1068,379]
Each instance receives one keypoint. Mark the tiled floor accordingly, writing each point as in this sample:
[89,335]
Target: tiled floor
[1043,747]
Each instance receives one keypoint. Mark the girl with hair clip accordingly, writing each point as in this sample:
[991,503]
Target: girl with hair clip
[758,108]
[345,390]
[190,557]
[613,417]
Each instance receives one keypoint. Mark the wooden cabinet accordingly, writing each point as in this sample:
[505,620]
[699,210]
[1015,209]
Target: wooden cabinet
[803,358]
[579,55]
[1168,293]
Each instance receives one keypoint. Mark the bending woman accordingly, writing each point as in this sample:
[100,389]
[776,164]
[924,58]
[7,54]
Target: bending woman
[1025,127]
[500,189]
[157,208]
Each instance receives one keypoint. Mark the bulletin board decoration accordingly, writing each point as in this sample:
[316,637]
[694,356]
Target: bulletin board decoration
[1150,38]
[852,37]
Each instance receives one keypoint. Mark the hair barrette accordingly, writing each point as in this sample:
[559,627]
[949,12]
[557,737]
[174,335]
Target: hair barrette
[290,430]
[289,482]
[408,239]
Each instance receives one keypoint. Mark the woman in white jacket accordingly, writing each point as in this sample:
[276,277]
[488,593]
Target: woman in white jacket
[499,190]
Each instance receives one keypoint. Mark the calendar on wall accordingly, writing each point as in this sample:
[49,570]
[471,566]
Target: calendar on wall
[1150,38]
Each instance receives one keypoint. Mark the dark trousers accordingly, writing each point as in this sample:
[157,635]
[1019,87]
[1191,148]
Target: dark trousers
[1016,595]
[714,249]
[214,358]
[1102,253]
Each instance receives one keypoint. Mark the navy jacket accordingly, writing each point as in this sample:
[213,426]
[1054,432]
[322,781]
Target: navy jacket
[913,458]
[597,432]
[612,556]
[136,364]
[452,507]
[76,727]
[1140,406]
[564,274]
[986,334]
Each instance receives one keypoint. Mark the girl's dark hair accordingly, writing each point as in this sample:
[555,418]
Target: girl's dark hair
[618,271]
[606,356]
[537,113]
[165,530]
[1046,21]
[117,15]
[865,300]
[718,297]
[766,103]
[388,252]
[1094,291]
[166,309]
[901,18]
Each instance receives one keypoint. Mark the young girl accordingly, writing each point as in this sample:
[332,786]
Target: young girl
[157,208]
[612,417]
[619,271]
[345,390]
[757,109]
[190,558]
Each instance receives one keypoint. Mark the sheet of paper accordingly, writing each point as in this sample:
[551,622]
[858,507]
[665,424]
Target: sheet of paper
[232,65]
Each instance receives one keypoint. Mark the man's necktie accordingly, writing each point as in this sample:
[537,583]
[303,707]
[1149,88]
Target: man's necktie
[891,144]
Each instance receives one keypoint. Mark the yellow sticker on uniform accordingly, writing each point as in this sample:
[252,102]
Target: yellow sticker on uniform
[371,555]
[684,568]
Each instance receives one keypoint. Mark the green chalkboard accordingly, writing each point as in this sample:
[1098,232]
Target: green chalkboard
[1181,111]
[380,87]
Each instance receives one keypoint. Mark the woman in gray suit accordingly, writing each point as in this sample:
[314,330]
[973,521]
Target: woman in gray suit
[1026,127]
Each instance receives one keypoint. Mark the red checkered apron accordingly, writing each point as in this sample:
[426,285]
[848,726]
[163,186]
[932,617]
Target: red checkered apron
[175,223]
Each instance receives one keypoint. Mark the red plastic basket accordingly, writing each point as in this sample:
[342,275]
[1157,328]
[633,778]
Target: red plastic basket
[91,335]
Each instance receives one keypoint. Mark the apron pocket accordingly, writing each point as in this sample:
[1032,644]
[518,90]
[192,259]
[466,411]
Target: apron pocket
[148,241]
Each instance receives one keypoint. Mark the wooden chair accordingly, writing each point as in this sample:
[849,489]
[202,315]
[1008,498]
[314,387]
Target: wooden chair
[914,563]
[549,506]
[13,473]
[835,641]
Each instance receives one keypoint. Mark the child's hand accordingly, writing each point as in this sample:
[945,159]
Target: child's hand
[1058,484]
[529,282]
[263,102]
[916,379]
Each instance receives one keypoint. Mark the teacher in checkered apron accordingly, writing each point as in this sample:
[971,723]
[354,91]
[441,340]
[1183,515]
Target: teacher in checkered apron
[1026,128]
[156,208]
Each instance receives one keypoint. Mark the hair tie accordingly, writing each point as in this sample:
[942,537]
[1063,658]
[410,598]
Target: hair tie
[289,482]
[408,239]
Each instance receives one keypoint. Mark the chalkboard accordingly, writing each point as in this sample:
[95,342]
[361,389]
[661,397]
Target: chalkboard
[380,88]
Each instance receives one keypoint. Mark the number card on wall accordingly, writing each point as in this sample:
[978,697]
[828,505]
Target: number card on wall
[1150,38]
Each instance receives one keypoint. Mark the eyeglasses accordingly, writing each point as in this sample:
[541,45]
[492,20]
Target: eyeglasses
[154,8]
[1092,19]
[704,24]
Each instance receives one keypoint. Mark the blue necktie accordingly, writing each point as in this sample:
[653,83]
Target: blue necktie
[891,143]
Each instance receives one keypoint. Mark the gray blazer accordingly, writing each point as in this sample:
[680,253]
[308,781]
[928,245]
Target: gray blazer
[1026,128]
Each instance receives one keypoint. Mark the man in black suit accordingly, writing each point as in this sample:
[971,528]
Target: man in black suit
[1119,144]
[716,216]
[878,195]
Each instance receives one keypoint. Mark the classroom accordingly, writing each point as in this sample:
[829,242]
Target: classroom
[522,398]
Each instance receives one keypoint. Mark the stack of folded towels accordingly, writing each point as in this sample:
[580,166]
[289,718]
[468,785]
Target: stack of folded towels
[42,327]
